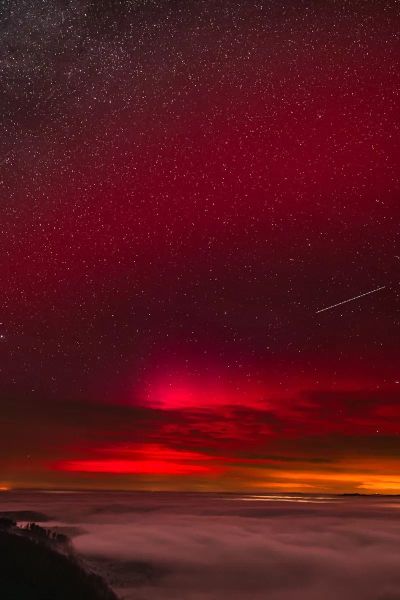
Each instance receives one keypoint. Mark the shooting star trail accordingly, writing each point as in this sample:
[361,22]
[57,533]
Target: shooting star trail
[351,299]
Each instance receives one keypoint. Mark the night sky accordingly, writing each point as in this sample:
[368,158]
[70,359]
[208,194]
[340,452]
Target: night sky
[183,186]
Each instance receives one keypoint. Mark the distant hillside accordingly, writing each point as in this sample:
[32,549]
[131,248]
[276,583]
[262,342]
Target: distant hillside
[36,564]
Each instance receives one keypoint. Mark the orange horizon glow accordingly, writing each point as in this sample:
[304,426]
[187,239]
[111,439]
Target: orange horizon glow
[160,466]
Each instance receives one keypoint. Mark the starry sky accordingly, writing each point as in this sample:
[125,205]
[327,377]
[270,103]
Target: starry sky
[183,187]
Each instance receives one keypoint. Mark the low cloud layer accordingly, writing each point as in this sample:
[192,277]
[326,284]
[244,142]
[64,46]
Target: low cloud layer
[209,547]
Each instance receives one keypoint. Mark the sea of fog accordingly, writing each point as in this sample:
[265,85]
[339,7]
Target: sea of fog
[163,546]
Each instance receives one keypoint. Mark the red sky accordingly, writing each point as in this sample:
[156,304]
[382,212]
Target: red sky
[183,188]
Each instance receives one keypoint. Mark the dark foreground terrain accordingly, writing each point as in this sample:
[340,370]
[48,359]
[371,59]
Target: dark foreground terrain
[36,564]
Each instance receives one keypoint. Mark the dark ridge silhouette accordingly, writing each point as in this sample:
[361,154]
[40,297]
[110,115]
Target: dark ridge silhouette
[38,564]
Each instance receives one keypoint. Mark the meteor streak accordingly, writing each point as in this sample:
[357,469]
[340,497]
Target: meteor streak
[351,299]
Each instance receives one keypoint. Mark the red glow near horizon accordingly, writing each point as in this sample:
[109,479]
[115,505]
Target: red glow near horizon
[173,392]
[148,459]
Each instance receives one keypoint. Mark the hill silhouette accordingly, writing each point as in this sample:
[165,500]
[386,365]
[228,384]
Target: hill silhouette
[38,564]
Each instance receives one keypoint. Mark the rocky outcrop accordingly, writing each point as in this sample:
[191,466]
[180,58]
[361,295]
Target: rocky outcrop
[39,564]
